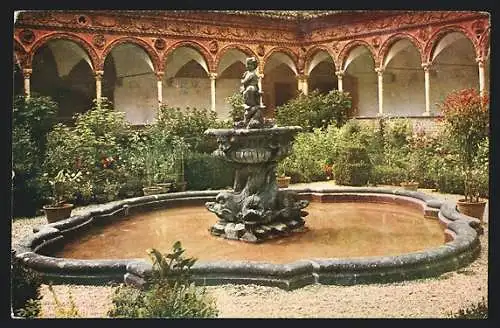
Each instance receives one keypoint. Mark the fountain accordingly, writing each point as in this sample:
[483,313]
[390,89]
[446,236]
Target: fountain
[255,210]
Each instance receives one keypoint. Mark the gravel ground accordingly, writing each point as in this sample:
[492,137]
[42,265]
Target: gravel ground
[425,298]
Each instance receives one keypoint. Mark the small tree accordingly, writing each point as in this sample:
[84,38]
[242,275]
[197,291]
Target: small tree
[315,110]
[466,116]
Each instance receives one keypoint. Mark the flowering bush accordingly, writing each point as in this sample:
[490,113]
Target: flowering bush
[466,116]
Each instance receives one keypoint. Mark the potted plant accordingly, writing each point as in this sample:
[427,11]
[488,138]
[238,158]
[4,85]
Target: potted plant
[64,187]
[466,116]
[282,179]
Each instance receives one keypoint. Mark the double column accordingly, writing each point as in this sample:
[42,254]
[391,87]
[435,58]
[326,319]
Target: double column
[427,83]
[482,75]
[159,87]
[213,78]
[340,77]
[302,83]
[98,85]
[380,75]
[27,76]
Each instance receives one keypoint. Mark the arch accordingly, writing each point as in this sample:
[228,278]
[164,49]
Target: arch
[393,39]
[246,50]
[153,56]
[349,47]
[310,56]
[20,54]
[439,34]
[205,54]
[484,43]
[94,59]
[288,52]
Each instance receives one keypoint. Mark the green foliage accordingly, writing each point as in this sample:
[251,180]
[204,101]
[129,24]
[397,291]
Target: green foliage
[169,292]
[204,171]
[310,152]
[466,116]
[190,123]
[387,175]
[353,166]
[25,289]
[95,145]
[32,118]
[475,311]
[62,311]
[237,106]
[315,110]
[65,185]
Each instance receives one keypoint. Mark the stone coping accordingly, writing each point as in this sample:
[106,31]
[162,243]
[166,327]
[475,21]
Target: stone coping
[461,231]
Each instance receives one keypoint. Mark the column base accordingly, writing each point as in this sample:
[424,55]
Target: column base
[426,114]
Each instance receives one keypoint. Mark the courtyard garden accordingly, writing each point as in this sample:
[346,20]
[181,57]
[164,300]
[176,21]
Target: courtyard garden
[100,158]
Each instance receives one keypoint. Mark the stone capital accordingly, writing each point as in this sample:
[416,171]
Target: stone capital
[480,61]
[159,75]
[27,73]
[379,70]
[426,67]
[340,74]
[212,76]
[98,75]
[302,77]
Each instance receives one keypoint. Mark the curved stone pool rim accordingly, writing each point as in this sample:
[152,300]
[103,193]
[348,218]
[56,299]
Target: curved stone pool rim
[461,232]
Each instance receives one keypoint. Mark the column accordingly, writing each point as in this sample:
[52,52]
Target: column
[27,75]
[261,77]
[427,81]
[302,83]
[159,85]
[98,85]
[212,76]
[380,74]
[340,85]
[482,80]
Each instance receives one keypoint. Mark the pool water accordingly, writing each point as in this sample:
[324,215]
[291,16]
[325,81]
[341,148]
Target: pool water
[336,230]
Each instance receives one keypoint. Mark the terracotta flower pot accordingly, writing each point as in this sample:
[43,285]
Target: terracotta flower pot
[413,186]
[283,182]
[166,186]
[57,213]
[474,209]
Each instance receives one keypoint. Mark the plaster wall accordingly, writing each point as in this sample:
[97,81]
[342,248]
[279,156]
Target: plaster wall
[367,93]
[137,97]
[404,85]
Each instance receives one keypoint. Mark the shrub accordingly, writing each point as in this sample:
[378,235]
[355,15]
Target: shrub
[387,175]
[204,171]
[237,106]
[190,124]
[466,116]
[315,110]
[32,119]
[25,289]
[169,292]
[475,311]
[96,145]
[353,166]
[310,152]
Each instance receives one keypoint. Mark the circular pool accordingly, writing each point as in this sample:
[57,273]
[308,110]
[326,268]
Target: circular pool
[355,235]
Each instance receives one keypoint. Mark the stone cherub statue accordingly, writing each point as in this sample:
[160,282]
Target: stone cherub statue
[251,94]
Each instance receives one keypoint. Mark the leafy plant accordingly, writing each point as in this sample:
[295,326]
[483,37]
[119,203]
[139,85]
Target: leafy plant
[353,166]
[65,185]
[204,171]
[315,110]
[169,292]
[475,311]
[25,289]
[466,116]
[62,311]
[237,106]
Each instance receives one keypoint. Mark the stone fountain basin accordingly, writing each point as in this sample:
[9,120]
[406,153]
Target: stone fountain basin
[461,248]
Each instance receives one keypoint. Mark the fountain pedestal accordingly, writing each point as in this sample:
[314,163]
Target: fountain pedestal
[256,210]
